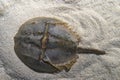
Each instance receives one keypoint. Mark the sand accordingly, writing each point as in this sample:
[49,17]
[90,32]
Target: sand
[97,22]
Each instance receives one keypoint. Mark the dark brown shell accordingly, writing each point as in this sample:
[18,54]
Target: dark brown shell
[46,45]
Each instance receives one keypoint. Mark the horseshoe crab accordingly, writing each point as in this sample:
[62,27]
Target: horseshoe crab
[47,45]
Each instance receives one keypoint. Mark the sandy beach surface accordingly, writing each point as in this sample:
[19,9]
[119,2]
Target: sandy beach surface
[97,22]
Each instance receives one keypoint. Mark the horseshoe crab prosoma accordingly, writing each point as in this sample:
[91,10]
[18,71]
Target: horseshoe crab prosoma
[47,45]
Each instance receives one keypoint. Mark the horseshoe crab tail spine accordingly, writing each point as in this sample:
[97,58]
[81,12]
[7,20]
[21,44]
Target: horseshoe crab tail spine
[90,51]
